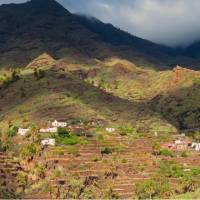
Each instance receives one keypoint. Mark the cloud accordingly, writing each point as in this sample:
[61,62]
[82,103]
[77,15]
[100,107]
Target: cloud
[170,22]
[11,1]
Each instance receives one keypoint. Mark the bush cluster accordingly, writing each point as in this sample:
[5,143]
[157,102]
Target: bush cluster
[66,137]
[39,74]
[12,131]
[156,187]
[11,78]
[166,152]
[125,130]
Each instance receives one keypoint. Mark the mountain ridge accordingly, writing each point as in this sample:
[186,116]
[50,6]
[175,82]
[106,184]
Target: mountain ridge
[37,26]
[34,27]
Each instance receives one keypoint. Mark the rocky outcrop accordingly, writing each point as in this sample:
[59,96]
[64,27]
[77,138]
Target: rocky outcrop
[180,73]
[44,60]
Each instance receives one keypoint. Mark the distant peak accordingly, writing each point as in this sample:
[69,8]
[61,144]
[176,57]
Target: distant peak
[46,4]
[44,1]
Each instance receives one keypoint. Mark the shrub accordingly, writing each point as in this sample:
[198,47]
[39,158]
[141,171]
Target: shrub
[188,184]
[5,145]
[106,150]
[124,161]
[116,85]
[40,170]
[39,74]
[15,76]
[74,151]
[125,130]
[184,154]
[22,178]
[71,140]
[28,151]
[196,136]
[89,192]
[76,187]
[166,152]
[196,81]
[156,187]
[57,173]
[102,84]
[195,171]
[62,132]
[110,194]
[96,159]
[12,131]
[171,169]
[156,148]
[5,193]
[11,79]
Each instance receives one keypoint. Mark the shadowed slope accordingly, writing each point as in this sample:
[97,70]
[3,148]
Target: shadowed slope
[29,29]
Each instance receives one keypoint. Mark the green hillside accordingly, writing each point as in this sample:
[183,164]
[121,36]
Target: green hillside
[92,96]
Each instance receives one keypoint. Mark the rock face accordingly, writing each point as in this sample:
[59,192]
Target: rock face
[44,60]
[180,73]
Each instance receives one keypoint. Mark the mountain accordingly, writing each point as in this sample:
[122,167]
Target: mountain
[120,108]
[29,29]
[193,50]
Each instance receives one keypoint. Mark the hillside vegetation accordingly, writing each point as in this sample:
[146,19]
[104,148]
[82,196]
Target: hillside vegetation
[91,96]
[113,90]
[128,110]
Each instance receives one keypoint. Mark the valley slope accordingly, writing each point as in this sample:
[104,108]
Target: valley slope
[115,91]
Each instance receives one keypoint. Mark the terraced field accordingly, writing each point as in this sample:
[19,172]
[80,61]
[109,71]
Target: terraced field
[119,168]
[111,93]
[9,169]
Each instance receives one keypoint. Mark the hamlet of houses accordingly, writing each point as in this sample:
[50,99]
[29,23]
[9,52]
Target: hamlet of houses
[52,129]
[176,145]
[181,145]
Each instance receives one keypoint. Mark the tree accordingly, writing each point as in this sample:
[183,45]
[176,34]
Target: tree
[156,187]
[156,148]
[39,74]
[62,132]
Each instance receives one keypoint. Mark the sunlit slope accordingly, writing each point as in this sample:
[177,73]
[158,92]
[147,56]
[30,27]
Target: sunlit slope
[59,93]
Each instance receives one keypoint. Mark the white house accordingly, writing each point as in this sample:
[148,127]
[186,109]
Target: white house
[178,142]
[196,146]
[48,142]
[49,130]
[59,124]
[110,130]
[187,170]
[181,145]
[22,131]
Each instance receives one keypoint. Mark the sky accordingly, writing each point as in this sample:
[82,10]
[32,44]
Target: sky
[169,22]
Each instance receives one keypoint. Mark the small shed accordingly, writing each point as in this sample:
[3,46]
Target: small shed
[196,146]
[22,131]
[49,130]
[181,145]
[48,142]
[110,130]
[59,124]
